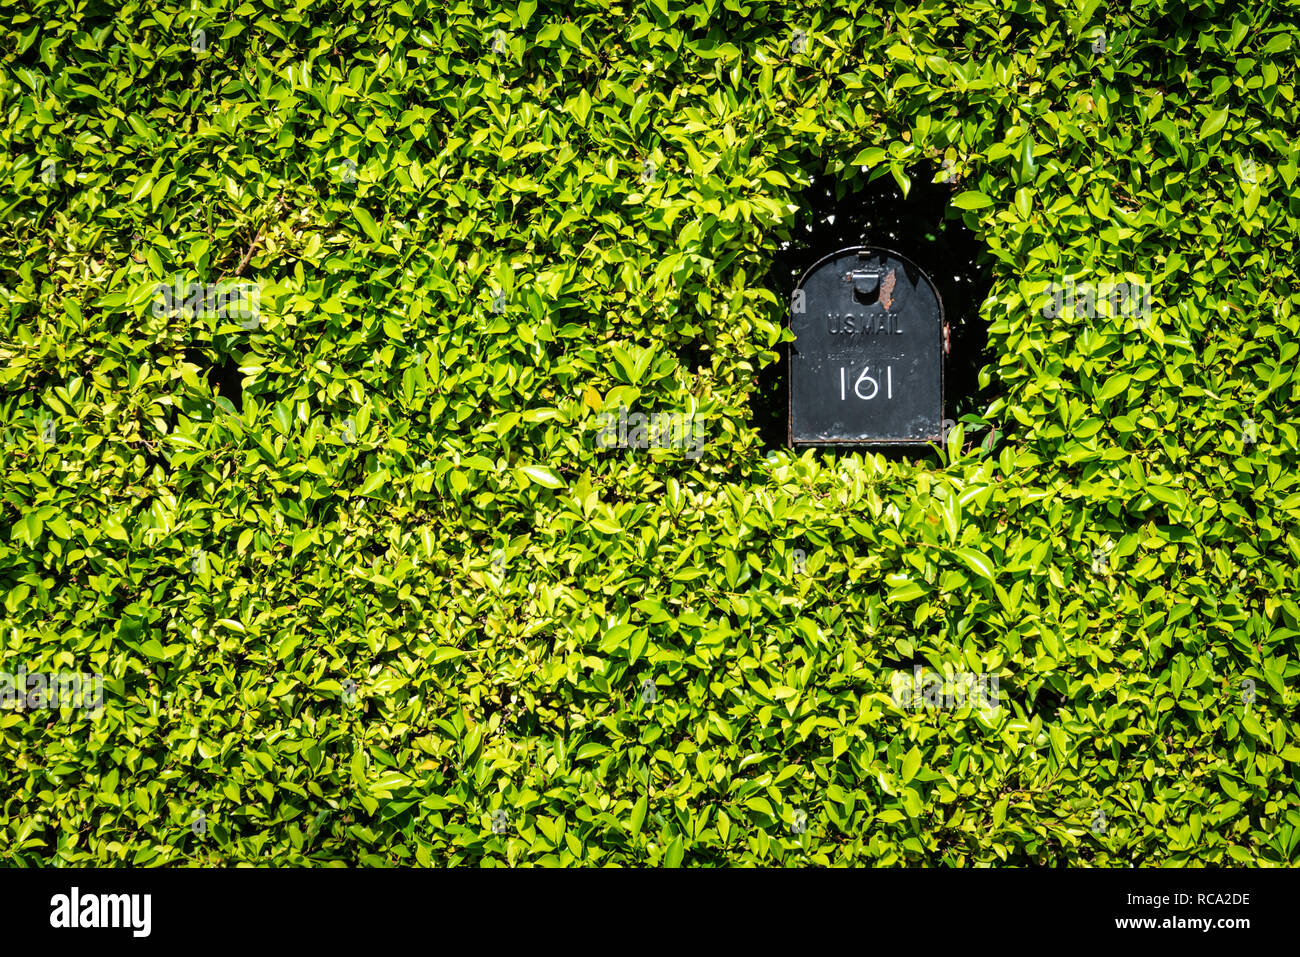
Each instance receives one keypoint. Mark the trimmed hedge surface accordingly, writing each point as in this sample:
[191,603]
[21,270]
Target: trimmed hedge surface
[396,605]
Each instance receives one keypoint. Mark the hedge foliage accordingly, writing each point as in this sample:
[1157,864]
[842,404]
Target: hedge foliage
[397,607]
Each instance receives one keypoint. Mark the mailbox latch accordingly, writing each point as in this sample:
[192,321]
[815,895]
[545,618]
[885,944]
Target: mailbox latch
[865,280]
[872,283]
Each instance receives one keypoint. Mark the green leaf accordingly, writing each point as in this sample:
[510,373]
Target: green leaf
[904,181]
[367,222]
[638,814]
[1213,123]
[911,763]
[1024,202]
[1028,167]
[908,591]
[376,481]
[390,781]
[970,199]
[977,562]
[1113,387]
[161,189]
[870,157]
[300,541]
[674,853]
[541,476]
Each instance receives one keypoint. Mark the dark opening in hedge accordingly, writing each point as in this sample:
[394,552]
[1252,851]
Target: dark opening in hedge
[221,370]
[840,212]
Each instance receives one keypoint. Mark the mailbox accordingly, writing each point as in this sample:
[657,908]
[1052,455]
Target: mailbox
[866,364]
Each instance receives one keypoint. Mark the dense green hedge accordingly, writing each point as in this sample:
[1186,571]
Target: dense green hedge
[402,588]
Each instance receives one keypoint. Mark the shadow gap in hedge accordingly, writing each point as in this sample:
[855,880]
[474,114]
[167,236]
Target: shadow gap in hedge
[839,212]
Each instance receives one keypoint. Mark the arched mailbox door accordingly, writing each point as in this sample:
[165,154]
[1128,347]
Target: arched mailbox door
[866,364]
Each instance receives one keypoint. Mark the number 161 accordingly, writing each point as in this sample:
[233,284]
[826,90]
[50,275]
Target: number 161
[867,379]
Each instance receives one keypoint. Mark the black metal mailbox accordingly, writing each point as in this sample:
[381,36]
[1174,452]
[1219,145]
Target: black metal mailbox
[866,365]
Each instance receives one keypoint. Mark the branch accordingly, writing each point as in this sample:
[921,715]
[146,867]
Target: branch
[248,254]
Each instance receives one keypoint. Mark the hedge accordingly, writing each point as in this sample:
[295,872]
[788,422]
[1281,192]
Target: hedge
[364,587]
